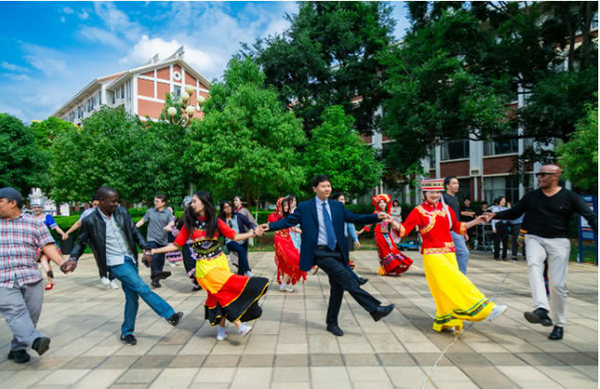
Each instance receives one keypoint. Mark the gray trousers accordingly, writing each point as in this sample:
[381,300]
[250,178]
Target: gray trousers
[557,251]
[21,307]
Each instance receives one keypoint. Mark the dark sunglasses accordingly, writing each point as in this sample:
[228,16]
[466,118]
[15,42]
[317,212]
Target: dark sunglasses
[543,174]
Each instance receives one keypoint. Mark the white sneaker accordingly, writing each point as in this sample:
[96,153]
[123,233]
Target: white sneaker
[105,281]
[289,288]
[243,329]
[113,284]
[283,288]
[171,264]
[249,274]
[496,312]
[221,333]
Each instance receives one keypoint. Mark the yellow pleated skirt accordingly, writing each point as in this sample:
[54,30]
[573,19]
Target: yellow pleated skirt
[456,298]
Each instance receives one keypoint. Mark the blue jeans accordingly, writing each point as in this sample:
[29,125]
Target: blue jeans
[158,260]
[242,252]
[462,252]
[134,287]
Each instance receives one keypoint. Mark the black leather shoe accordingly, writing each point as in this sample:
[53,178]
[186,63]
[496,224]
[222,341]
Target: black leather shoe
[161,276]
[362,281]
[334,329]
[382,311]
[41,345]
[174,319]
[556,334]
[129,339]
[19,356]
[540,315]
[155,283]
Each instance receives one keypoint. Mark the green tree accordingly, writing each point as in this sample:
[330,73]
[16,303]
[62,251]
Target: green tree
[246,142]
[337,150]
[463,63]
[579,156]
[112,149]
[329,55]
[47,130]
[22,164]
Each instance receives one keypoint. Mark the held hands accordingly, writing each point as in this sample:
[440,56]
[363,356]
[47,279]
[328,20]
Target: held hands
[489,216]
[68,266]
[65,236]
[263,227]
[147,258]
[386,217]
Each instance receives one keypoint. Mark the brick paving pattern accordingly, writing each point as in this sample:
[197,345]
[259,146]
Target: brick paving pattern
[289,347]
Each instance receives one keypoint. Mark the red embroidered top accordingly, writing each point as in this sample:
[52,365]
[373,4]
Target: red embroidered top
[434,227]
[205,246]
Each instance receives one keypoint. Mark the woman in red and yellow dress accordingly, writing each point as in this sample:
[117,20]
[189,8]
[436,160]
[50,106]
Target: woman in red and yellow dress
[391,260]
[287,256]
[456,298]
[229,296]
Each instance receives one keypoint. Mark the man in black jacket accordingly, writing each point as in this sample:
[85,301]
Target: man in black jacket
[547,214]
[112,236]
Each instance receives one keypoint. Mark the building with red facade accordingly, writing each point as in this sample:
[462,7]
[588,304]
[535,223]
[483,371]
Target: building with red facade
[141,91]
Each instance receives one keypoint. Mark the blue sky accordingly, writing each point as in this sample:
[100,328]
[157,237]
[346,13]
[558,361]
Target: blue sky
[51,50]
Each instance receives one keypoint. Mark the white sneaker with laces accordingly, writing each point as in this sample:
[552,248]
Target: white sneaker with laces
[113,284]
[289,288]
[171,264]
[105,281]
[496,312]
[221,333]
[249,274]
[244,329]
[283,287]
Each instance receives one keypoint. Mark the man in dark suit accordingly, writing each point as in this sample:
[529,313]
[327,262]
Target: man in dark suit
[324,244]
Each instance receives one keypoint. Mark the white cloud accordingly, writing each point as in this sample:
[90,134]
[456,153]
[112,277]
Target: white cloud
[99,35]
[13,67]
[49,61]
[118,21]
[146,48]
[83,14]
[16,76]
[68,10]
[63,19]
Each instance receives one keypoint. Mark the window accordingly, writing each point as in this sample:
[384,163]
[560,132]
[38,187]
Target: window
[80,112]
[464,189]
[495,187]
[176,92]
[114,97]
[100,98]
[455,149]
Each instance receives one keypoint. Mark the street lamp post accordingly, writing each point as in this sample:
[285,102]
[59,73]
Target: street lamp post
[186,111]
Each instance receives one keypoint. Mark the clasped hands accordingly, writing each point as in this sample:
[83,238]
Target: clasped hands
[68,266]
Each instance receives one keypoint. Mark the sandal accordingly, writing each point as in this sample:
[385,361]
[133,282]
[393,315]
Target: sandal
[49,285]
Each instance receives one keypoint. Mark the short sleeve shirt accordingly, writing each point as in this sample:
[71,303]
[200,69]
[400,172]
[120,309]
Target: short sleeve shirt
[19,240]
[158,221]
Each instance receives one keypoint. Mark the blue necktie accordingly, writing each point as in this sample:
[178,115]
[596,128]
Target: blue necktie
[329,229]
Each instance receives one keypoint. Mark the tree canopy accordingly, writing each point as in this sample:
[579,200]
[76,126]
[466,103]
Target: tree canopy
[23,165]
[247,141]
[337,150]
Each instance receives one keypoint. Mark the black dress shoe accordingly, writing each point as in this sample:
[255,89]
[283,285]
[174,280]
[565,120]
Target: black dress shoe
[382,311]
[334,329]
[155,283]
[174,319]
[161,275]
[362,281]
[19,356]
[556,334]
[540,315]
[41,345]
[129,339]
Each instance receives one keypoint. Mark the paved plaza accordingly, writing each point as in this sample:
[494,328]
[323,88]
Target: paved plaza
[289,347]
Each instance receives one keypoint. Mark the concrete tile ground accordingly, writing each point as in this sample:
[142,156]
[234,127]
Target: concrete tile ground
[289,347]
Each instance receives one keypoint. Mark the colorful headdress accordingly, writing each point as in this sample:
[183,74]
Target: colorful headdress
[385,197]
[432,185]
[36,198]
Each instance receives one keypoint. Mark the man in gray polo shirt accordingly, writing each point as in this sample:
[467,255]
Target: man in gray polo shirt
[159,219]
